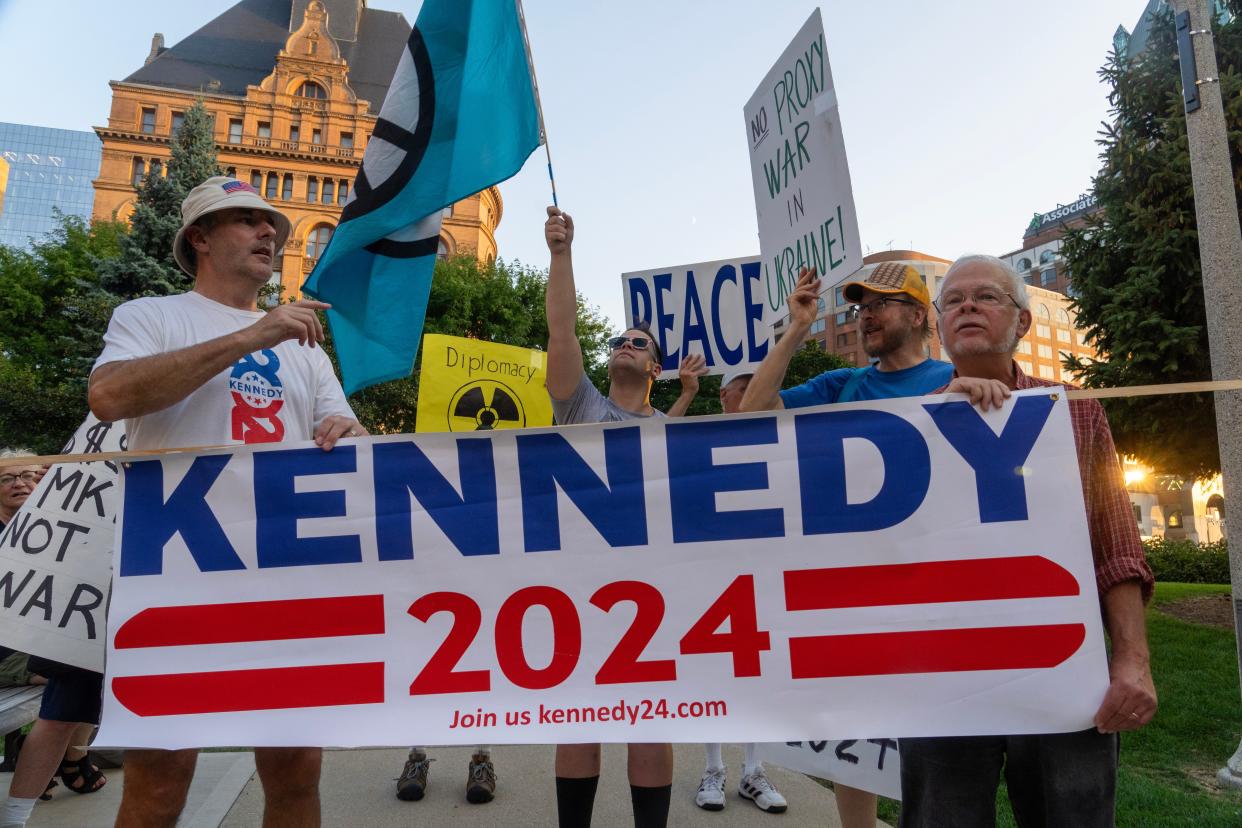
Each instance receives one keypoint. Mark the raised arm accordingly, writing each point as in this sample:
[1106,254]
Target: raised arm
[564,350]
[134,387]
[693,366]
[763,393]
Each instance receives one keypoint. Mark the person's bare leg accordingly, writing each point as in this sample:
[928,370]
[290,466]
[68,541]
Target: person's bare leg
[577,761]
[290,778]
[40,757]
[651,765]
[156,783]
[855,807]
[82,734]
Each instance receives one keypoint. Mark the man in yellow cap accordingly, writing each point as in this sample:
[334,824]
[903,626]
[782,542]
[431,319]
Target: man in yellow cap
[892,304]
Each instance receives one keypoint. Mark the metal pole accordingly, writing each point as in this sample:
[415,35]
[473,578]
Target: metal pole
[1220,251]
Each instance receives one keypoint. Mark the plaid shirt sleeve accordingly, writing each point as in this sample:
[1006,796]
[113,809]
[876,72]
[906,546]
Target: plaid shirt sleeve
[1115,543]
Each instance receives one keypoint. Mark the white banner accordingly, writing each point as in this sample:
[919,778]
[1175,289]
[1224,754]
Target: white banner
[710,308]
[902,566]
[56,556]
[803,195]
[867,764]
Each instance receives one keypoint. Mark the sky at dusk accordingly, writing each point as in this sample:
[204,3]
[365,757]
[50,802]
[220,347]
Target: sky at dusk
[960,119]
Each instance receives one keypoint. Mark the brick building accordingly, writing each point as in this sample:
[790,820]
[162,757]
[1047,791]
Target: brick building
[295,87]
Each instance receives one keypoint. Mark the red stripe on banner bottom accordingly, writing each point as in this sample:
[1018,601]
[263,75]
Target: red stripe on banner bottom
[253,621]
[984,579]
[232,691]
[934,651]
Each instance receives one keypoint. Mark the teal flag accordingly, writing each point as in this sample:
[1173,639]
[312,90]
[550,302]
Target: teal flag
[460,116]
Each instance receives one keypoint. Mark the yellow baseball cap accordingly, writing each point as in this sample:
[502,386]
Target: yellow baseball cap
[889,278]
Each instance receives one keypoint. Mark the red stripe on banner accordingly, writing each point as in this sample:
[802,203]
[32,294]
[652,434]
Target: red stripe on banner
[253,621]
[986,579]
[934,651]
[231,691]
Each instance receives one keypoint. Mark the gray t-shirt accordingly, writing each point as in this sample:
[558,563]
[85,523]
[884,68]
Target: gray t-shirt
[587,405]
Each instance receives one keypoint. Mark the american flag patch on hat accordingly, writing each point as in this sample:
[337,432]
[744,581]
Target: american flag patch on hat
[233,185]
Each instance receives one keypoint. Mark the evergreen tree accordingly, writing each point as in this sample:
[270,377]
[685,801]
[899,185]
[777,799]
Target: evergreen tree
[146,266]
[1135,265]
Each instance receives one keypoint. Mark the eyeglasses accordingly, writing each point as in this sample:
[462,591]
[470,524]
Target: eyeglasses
[984,298]
[26,477]
[877,305]
[639,342]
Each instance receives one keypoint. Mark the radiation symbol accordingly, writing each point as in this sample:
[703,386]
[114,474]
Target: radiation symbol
[484,405]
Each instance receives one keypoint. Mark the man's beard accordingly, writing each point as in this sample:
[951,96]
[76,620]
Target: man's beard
[890,342]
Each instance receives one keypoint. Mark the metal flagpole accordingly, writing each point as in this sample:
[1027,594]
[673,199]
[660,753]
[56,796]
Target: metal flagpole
[543,133]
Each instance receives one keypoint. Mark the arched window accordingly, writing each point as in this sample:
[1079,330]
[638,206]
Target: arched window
[317,241]
[310,89]
[1047,256]
[442,249]
[1063,317]
[1043,311]
[1024,264]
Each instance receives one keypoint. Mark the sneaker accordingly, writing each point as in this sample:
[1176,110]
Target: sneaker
[412,784]
[759,790]
[481,780]
[711,790]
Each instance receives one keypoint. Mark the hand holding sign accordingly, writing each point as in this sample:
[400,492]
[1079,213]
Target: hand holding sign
[804,301]
[693,366]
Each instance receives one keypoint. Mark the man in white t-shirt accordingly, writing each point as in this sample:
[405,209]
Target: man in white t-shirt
[205,368]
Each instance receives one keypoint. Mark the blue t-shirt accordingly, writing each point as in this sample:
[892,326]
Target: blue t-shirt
[923,378]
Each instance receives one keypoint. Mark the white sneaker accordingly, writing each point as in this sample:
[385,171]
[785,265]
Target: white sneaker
[711,790]
[759,790]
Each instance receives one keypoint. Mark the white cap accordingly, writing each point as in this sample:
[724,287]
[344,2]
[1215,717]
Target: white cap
[738,374]
[222,193]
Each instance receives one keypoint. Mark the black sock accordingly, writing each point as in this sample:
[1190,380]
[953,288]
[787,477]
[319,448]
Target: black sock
[575,800]
[651,805]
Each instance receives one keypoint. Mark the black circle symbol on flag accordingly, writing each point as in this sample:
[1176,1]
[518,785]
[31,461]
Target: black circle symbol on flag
[484,405]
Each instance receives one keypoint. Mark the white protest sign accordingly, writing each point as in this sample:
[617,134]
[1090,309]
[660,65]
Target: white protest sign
[867,764]
[901,566]
[56,556]
[803,195]
[711,308]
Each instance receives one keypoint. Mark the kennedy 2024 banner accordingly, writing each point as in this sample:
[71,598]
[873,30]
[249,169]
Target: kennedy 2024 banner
[905,567]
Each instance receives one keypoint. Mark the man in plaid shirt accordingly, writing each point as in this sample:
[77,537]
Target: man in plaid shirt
[1060,778]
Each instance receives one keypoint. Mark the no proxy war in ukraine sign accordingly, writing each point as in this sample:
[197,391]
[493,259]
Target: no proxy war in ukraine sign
[803,196]
[925,570]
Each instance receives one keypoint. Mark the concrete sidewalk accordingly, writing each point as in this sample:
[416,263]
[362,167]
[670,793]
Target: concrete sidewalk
[358,788]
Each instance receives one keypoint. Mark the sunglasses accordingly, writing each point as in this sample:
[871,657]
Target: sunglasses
[639,342]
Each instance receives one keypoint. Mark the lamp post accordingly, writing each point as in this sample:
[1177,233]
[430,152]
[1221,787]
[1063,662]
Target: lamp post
[1220,251]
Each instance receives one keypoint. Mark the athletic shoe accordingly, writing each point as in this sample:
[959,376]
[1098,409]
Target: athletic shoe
[481,780]
[758,789]
[711,790]
[412,784]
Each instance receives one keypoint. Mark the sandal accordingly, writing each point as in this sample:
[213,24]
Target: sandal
[82,776]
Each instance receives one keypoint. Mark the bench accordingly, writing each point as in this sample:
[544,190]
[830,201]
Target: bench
[19,706]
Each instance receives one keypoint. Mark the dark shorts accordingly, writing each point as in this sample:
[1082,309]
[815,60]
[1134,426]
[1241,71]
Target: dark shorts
[72,695]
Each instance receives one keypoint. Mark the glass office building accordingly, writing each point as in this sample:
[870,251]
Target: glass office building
[48,169]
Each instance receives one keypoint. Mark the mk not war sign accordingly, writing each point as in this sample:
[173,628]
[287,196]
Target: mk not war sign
[712,308]
[56,556]
[911,567]
[803,196]
[471,385]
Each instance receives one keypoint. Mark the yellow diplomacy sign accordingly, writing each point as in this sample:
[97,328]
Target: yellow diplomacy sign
[471,385]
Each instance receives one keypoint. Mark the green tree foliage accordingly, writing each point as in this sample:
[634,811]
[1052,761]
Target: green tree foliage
[809,361]
[1135,265]
[146,266]
[51,328]
[496,302]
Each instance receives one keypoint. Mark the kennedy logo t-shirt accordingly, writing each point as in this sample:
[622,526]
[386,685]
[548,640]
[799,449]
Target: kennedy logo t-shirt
[271,395]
